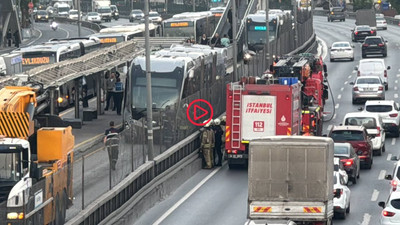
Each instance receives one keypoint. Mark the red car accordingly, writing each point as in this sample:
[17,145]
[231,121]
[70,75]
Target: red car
[358,137]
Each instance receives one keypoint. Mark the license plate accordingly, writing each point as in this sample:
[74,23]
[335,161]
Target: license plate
[235,156]
[368,89]
[373,45]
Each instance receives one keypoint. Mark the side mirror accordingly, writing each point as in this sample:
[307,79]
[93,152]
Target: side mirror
[337,193]
[386,41]
[388,177]
[351,83]
[360,108]
[381,204]
[388,67]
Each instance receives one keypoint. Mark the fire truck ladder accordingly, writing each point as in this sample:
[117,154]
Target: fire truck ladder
[236,113]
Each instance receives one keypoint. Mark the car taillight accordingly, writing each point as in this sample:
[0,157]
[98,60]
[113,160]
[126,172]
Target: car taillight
[365,45]
[357,32]
[347,162]
[385,73]
[355,88]
[372,32]
[379,131]
[228,151]
[387,213]
[393,114]
[380,45]
[380,88]
[234,151]
[394,185]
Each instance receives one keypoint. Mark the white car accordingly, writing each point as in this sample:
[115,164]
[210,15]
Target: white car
[372,67]
[341,201]
[381,23]
[391,210]
[154,17]
[339,167]
[389,111]
[394,178]
[73,14]
[93,17]
[373,123]
[342,50]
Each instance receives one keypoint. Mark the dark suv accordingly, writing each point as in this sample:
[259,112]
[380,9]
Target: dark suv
[358,137]
[374,45]
[359,33]
[336,13]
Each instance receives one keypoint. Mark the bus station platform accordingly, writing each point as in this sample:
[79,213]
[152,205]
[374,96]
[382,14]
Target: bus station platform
[92,132]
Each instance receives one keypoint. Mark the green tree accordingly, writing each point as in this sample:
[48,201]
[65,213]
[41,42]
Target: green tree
[25,11]
[362,4]
[395,4]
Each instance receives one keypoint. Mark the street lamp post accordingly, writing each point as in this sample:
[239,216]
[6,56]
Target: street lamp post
[266,48]
[79,18]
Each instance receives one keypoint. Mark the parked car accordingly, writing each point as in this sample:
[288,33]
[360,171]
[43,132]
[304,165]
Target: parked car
[341,201]
[360,32]
[341,50]
[114,12]
[389,111]
[358,137]
[373,46]
[93,17]
[41,15]
[338,166]
[136,14]
[373,123]
[381,23]
[368,87]
[394,178]
[351,163]
[336,13]
[391,210]
[155,17]
[376,67]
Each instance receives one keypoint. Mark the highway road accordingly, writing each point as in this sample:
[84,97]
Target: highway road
[219,196]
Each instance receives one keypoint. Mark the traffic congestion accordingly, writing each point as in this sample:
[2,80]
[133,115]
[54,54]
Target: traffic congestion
[310,140]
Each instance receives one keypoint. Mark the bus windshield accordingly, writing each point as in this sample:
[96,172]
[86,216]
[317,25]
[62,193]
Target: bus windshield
[179,32]
[10,167]
[165,89]
[256,33]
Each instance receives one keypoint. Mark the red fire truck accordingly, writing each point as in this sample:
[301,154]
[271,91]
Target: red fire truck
[289,101]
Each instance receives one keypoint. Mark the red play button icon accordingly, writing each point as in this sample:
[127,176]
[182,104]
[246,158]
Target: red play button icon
[195,112]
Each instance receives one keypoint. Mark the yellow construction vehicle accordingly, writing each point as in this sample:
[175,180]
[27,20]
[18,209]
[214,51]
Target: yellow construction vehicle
[35,163]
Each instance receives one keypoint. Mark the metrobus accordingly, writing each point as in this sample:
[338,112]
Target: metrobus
[217,3]
[190,25]
[218,11]
[256,28]
[89,44]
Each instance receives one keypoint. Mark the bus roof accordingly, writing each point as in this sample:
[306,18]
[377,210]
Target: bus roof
[260,17]
[127,28]
[47,47]
[162,64]
[191,16]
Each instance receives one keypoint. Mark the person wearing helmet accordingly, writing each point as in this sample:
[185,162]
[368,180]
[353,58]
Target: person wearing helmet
[207,139]
[218,141]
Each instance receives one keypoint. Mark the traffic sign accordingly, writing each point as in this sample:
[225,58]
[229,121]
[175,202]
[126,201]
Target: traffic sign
[199,112]
[30,5]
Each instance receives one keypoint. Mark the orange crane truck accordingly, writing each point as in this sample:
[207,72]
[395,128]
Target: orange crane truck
[36,164]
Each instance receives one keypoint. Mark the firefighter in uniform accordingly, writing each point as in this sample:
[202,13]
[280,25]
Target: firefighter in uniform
[218,141]
[207,145]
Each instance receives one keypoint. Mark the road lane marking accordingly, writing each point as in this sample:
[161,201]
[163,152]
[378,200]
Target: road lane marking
[382,175]
[337,106]
[396,95]
[345,83]
[341,89]
[339,96]
[395,88]
[40,35]
[375,195]
[354,71]
[396,81]
[366,219]
[389,157]
[324,48]
[393,141]
[398,75]
[64,31]
[334,116]
[329,128]
[349,76]
[190,193]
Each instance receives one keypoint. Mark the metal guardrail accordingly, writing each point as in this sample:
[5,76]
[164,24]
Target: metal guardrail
[162,42]
[90,25]
[250,8]
[223,19]
[135,183]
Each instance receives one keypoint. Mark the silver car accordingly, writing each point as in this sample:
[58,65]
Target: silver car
[368,87]
[93,17]
[342,50]
[381,23]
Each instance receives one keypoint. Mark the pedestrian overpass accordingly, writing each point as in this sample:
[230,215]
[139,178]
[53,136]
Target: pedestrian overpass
[8,19]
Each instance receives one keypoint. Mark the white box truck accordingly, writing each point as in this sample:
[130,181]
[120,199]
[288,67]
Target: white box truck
[291,178]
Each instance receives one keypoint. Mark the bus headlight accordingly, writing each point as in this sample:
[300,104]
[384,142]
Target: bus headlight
[15,215]
[60,99]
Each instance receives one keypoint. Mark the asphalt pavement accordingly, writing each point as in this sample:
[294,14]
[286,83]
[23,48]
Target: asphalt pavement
[219,196]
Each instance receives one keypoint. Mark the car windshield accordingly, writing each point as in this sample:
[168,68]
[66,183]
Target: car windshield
[137,12]
[371,66]
[363,28]
[153,14]
[373,41]
[337,9]
[368,81]
[114,8]
[341,150]
[395,203]
[9,167]
[367,122]
[73,12]
[341,45]
[347,135]
[380,19]
[93,14]
[104,10]
[378,108]
[42,12]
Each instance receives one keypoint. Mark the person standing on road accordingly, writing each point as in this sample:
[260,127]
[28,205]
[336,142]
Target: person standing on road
[207,145]
[110,84]
[111,142]
[9,37]
[118,95]
[218,141]
[17,41]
